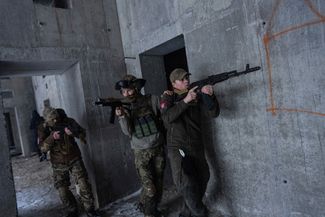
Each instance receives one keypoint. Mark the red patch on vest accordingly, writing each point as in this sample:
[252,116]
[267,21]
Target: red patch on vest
[163,104]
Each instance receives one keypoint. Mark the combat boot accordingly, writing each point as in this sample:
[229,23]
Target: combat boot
[92,213]
[72,214]
[140,207]
[159,214]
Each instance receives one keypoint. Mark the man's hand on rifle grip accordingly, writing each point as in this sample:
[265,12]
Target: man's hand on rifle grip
[119,111]
[191,95]
[56,135]
[67,131]
[207,89]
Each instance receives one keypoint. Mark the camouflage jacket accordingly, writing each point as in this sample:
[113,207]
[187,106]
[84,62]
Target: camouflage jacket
[65,149]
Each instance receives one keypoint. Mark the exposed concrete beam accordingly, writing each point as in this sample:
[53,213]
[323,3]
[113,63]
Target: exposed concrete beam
[19,69]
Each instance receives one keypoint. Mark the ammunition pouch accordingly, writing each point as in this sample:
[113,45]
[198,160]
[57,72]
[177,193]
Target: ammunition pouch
[145,126]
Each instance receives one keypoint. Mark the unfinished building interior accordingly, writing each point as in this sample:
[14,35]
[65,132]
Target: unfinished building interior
[265,150]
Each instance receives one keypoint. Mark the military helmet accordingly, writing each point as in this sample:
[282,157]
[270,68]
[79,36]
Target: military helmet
[130,81]
[61,113]
[50,114]
[129,77]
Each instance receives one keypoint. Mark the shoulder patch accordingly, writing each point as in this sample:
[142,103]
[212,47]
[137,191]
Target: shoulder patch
[164,104]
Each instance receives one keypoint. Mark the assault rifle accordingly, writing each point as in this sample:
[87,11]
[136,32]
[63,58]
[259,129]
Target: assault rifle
[74,129]
[213,79]
[113,103]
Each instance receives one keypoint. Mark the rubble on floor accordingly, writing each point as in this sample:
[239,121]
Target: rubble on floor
[37,197]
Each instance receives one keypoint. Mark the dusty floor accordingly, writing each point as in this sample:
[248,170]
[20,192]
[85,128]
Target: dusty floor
[37,197]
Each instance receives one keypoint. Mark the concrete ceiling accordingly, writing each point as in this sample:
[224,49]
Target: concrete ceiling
[10,69]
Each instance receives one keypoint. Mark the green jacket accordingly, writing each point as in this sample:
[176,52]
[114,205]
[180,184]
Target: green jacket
[183,121]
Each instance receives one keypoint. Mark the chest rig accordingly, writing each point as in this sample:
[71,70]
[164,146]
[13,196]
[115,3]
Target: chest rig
[144,120]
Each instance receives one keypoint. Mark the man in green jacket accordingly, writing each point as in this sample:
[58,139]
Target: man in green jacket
[142,123]
[181,112]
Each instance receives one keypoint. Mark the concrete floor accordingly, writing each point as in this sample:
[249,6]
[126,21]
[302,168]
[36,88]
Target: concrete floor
[37,197]
[35,192]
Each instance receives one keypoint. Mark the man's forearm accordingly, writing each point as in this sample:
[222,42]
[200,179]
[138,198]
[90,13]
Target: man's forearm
[125,125]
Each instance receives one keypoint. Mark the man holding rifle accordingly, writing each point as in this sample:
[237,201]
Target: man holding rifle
[142,123]
[57,136]
[181,113]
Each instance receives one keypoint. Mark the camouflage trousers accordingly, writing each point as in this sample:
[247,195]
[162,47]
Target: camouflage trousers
[61,175]
[150,165]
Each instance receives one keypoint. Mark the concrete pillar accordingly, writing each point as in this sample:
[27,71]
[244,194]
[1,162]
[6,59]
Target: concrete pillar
[7,189]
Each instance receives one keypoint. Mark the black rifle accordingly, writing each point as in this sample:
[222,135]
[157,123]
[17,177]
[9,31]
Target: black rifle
[75,130]
[113,103]
[212,80]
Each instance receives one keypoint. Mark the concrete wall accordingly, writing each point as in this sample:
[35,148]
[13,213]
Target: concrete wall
[46,88]
[88,33]
[22,104]
[7,189]
[266,148]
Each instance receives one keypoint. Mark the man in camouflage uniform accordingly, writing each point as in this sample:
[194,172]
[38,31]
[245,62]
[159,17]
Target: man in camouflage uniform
[57,135]
[142,124]
[181,113]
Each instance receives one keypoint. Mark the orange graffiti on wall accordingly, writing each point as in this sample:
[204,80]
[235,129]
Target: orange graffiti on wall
[269,37]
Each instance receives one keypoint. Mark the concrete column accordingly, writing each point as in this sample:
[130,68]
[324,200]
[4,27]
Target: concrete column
[7,189]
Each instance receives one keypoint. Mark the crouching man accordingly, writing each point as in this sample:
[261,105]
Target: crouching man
[57,135]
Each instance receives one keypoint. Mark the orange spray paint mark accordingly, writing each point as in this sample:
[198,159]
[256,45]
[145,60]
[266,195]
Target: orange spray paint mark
[296,110]
[269,37]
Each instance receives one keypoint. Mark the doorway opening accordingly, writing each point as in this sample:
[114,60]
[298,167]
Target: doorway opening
[36,85]
[157,63]
[10,136]
[176,59]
